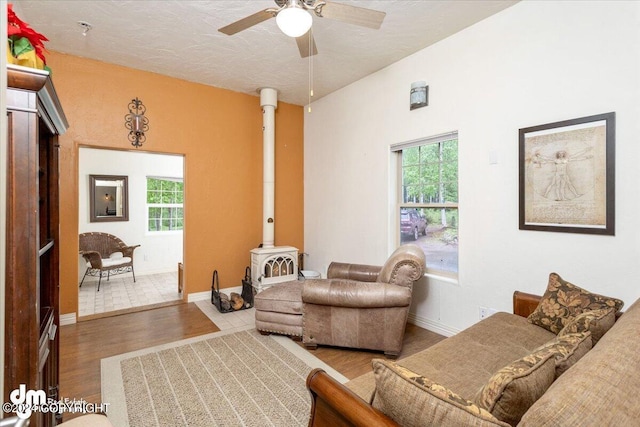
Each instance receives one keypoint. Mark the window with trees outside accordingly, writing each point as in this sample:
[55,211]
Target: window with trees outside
[165,198]
[428,199]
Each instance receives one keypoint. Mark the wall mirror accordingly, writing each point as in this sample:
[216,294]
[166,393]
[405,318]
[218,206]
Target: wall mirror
[108,199]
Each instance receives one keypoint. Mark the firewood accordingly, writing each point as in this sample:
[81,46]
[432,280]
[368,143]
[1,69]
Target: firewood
[236,301]
[225,305]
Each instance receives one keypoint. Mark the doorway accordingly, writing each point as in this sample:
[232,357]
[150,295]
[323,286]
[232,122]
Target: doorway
[155,221]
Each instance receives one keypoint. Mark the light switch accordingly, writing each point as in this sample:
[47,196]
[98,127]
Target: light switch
[493,157]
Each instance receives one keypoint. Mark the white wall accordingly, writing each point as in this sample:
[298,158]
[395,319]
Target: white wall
[158,253]
[534,63]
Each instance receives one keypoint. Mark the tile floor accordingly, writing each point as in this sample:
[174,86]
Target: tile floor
[120,292]
[234,319]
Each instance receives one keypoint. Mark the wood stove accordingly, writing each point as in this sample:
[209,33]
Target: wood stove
[273,265]
[270,264]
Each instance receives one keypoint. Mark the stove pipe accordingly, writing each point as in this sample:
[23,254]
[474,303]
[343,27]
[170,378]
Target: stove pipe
[269,103]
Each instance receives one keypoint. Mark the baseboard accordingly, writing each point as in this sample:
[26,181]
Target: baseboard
[431,325]
[67,319]
[156,271]
[206,295]
[199,296]
[236,289]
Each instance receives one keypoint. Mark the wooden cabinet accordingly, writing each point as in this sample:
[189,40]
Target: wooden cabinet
[35,119]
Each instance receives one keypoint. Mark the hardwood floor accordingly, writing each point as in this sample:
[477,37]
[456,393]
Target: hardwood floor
[83,344]
[352,363]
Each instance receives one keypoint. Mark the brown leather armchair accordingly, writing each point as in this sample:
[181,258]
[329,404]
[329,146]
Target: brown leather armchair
[362,306]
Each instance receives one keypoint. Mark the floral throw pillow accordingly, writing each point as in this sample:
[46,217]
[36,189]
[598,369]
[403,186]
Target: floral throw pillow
[512,390]
[567,348]
[412,400]
[563,301]
[598,322]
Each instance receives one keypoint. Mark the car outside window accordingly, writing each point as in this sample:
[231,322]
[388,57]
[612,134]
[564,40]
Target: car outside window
[428,200]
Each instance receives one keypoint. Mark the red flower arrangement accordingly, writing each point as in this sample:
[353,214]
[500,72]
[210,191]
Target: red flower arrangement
[23,39]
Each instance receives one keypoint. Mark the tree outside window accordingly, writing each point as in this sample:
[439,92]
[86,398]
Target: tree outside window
[165,198]
[428,201]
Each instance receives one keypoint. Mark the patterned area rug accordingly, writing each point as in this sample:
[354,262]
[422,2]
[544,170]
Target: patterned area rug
[227,378]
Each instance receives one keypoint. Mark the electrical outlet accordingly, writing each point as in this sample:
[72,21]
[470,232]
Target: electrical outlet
[485,312]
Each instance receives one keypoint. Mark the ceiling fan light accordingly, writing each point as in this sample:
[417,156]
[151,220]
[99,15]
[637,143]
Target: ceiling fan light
[294,21]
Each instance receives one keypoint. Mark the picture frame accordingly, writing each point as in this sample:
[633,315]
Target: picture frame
[567,176]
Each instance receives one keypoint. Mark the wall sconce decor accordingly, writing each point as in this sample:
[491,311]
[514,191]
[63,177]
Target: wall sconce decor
[419,96]
[136,122]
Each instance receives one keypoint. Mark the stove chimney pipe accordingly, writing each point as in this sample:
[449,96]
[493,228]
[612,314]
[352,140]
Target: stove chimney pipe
[269,103]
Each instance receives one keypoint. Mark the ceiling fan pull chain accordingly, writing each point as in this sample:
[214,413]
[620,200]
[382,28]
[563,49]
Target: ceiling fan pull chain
[310,68]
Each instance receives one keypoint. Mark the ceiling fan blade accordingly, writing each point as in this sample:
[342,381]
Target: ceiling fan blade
[247,22]
[353,15]
[307,45]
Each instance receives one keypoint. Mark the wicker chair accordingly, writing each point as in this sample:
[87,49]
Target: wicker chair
[105,253]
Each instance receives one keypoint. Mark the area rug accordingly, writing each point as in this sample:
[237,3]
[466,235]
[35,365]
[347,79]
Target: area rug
[231,378]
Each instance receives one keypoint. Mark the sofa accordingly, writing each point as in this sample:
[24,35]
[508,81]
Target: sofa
[553,362]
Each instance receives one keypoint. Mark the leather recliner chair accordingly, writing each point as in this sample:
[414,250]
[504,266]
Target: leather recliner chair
[362,306]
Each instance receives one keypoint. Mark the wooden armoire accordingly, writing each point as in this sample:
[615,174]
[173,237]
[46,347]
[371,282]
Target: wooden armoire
[35,119]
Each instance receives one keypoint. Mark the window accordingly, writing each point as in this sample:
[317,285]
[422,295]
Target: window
[428,199]
[165,198]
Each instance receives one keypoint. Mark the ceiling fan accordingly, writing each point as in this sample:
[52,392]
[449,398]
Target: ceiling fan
[293,17]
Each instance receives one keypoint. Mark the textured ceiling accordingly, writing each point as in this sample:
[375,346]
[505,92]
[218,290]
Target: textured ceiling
[181,39]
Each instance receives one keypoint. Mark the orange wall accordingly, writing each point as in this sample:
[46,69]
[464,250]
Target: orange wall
[220,134]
